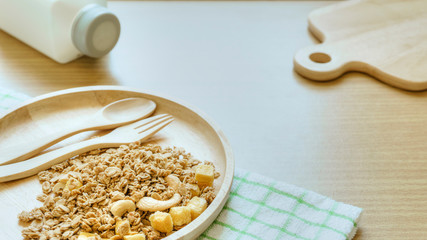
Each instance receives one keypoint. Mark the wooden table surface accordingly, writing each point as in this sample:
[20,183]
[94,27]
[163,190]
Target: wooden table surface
[355,139]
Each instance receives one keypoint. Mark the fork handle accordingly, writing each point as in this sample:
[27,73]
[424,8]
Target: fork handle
[42,162]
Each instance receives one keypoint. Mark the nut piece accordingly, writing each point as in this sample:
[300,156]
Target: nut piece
[173,182]
[197,205]
[122,227]
[58,187]
[161,222]
[194,189]
[62,181]
[120,207]
[72,184]
[204,175]
[180,215]
[139,236]
[88,236]
[113,172]
[153,205]
[63,178]
[116,195]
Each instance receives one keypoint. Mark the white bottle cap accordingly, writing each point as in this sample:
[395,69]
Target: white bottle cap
[95,31]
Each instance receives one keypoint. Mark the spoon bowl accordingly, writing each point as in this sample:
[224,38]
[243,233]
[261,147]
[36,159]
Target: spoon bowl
[125,111]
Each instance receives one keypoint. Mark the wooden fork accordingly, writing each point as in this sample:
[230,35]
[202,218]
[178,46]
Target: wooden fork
[137,131]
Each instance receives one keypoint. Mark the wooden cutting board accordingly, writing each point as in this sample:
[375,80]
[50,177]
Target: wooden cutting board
[386,39]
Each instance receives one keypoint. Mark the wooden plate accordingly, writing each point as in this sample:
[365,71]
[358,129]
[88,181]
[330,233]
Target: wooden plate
[191,130]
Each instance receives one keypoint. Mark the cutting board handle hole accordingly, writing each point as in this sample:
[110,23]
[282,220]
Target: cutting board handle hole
[319,57]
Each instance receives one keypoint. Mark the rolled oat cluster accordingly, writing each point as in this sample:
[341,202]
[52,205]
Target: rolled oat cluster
[132,192]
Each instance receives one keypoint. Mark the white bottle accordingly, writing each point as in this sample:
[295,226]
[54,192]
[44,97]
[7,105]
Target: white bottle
[62,29]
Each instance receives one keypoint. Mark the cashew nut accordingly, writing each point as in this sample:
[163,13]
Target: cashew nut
[173,182]
[152,205]
[120,207]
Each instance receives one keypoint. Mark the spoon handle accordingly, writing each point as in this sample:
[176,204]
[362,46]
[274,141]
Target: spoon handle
[21,151]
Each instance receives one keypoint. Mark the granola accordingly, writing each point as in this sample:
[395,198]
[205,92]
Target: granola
[79,193]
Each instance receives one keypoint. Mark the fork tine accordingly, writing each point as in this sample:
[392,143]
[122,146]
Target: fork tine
[147,133]
[148,126]
[145,121]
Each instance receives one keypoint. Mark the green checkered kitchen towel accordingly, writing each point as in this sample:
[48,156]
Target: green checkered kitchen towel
[260,208]
[9,99]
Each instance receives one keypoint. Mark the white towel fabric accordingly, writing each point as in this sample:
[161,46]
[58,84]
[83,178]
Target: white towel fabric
[260,208]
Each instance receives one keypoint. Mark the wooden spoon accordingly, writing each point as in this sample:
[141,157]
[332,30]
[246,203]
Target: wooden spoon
[115,114]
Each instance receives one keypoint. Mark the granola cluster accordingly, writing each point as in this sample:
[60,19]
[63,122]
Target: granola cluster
[78,194]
